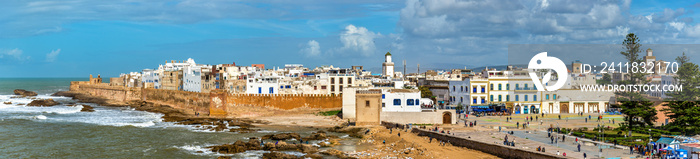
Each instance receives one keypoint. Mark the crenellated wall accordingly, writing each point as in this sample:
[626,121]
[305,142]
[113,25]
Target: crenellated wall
[215,103]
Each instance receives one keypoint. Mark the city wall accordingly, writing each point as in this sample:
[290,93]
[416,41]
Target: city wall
[494,149]
[215,103]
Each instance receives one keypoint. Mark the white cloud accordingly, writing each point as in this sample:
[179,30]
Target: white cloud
[312,49]
[15,54]
[677,25]
[358,40]
[51,57]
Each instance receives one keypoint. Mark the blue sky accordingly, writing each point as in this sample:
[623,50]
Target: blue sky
[80,37]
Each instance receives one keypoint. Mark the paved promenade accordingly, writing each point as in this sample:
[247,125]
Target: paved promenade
[535,134]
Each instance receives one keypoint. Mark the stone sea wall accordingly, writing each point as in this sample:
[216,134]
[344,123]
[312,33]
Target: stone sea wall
[494,149]
[215,103]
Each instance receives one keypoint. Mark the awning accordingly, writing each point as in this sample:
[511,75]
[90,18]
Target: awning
[480,107]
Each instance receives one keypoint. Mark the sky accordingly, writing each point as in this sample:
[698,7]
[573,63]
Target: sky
[75,38]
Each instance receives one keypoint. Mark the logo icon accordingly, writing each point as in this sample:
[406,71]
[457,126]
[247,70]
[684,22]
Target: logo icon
[542,61]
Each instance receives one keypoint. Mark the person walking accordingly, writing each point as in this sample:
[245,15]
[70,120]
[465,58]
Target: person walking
[584,155]
[579,147]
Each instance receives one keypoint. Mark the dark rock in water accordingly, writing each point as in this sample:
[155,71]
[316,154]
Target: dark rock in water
[224,157]
[24,93]
[283,136]
[320,135]
[237,147]
[43,102]
[199,152]
[7,103]
[87,108]
[279,155]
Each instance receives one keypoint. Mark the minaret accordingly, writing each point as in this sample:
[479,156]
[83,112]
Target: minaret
[388,66]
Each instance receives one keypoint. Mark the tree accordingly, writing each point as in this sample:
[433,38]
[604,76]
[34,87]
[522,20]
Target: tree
[684,107]
[632,49]
[425,92]
[605,80]
[637,109]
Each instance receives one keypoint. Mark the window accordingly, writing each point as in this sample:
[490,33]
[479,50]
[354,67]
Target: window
[397,101]
[516,98]
[546,97]
[349,80]
[554,97]
[281,87]
[341,88]
[500,98]
[259,90]
[383,105]
[507,98]
[409,102]
[525,99]
[417,102]
[332,88]
[340,80]
[315,87]
[383,96]
[473,89]
[272,90]
[491,86]
[499,87]
[461,88]
[332,80]
[453,88]
[483,89]
[483,100]
[323,87]
[507,86]
[534,97]
[525,86]
[367,103]
[491,99]
[461,99]
[474,100]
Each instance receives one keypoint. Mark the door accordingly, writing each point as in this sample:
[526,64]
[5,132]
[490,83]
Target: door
[446,118]
[564,108]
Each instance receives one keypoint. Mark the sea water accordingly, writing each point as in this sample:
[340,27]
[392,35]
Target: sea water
[63,131]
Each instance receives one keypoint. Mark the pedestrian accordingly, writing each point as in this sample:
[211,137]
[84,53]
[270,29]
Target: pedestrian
[558,153]
[537,118]
[559,117]
[579,147]
[517,125]
[614,121]
[542,149]
[564,154]
[584,155]
[552,140]
[586,120]
[431,139]
[399,134]
[499,128]
[384,142]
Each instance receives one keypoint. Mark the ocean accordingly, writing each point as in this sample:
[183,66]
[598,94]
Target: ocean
[109,132]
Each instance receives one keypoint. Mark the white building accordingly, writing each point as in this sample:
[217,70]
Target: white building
[151,78]
[263,85]
[401,100]
[192,78]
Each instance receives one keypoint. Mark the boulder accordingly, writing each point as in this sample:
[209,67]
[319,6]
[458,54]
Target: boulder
[24,93]
[283,136]
[238,146]
[279,155]
[320,135]
[87,108]
[43,102]
[7,103]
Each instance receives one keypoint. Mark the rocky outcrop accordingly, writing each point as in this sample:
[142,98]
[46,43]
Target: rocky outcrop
[320,135]
[254,144]
[353,131]
[336,153]
[43,102]
[279,155]
[283,136]
[24,93]
[87,108]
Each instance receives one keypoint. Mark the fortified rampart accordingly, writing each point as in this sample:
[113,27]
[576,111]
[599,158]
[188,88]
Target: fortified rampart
[215,103]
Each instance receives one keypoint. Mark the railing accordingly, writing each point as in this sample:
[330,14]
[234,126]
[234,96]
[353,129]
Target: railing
[525,88]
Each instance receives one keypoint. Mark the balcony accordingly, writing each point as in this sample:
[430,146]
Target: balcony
[525,89]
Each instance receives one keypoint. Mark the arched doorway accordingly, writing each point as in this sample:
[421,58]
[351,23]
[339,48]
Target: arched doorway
[446,118]
[517,109]
[525,110]
[533,109]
